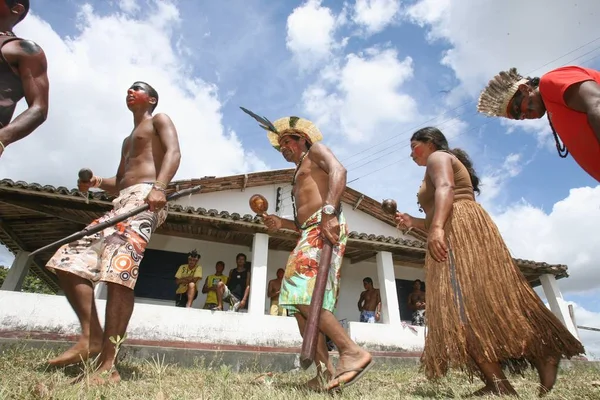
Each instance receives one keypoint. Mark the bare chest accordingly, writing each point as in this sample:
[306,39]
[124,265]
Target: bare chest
[140,140]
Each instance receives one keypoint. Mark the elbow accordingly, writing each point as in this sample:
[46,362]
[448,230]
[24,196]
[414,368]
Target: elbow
[342,172]
[445,189]
[40,113]
[176,155]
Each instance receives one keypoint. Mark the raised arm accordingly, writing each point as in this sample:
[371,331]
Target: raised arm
[585,97]
[30,62]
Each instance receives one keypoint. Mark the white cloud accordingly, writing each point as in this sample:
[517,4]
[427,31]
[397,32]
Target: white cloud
[375,15]
[565,235]
[128,6]
[310,34]
[90,72]
[493,181]
[362,96]
[487,36]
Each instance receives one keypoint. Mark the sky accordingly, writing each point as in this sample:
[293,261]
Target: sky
[368,72]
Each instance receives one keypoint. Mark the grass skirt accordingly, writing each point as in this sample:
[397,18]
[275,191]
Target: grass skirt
[481,307]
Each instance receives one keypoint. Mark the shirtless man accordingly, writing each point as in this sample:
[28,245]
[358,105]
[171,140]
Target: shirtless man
[369,303]
[416,302]
[317,188]
[22,74]
[149,159]
[274,288]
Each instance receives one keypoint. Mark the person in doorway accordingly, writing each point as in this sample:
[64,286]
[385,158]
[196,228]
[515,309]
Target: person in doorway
[273,290]
[210,286]
[416,303]
[187,278]
[237,287]
[369,303]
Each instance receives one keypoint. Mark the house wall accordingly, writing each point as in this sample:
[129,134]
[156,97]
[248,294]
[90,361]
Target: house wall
[237,201]
[351,281]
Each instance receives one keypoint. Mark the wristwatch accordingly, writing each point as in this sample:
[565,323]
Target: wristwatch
[328,209]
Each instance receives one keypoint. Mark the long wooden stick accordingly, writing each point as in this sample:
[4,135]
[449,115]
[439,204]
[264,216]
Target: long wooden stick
[90,230]
[311,330]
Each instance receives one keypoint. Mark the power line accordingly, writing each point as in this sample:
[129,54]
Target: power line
[361,152]
[456,118]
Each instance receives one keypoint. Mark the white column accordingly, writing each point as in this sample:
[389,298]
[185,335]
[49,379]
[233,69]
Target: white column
[390,311]
[101,291]
[17,272]
[258,280]
[557,304]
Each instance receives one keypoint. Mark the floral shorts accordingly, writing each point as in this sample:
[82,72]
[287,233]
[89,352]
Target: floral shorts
[114,254]
[303,264]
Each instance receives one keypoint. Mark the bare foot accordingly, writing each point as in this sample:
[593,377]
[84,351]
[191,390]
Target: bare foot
[318,383]
[484,391]
[99,378]
[350,368]
[314,384]
[547,372]
[77,353]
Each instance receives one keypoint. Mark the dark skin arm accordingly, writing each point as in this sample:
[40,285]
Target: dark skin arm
[439,169]
[187,280]
[361,300]
[165,129]
[275,223]
[205,288]
[272,293]
[247,292]
[411,303]
[324,158]
[29,62]
[585,97]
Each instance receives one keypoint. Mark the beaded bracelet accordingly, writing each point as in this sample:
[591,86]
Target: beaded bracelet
[160,184]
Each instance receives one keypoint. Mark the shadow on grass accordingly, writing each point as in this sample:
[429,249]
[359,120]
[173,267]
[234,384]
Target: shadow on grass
[432,393]
[128,372]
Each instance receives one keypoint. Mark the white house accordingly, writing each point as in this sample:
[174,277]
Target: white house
[218,223]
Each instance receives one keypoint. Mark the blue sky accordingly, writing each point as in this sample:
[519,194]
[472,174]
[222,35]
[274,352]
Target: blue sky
[370,72]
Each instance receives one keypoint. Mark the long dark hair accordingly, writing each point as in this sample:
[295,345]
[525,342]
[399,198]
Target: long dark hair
[437,138]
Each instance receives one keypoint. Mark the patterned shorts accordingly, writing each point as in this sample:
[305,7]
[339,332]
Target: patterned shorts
[114,254]
[303,264]
[367,316]
[418,318]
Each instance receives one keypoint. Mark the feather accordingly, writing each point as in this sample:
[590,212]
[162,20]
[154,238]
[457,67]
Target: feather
[263,121]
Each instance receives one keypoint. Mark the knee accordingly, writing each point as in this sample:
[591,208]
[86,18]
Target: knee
[220,286]
[191,285]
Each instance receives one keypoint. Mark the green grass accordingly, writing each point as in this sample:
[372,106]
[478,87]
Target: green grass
[23,375]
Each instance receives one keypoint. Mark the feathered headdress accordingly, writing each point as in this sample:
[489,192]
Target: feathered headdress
[287,126]
[494,99]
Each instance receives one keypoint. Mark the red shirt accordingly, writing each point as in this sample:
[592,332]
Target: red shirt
[572,126]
